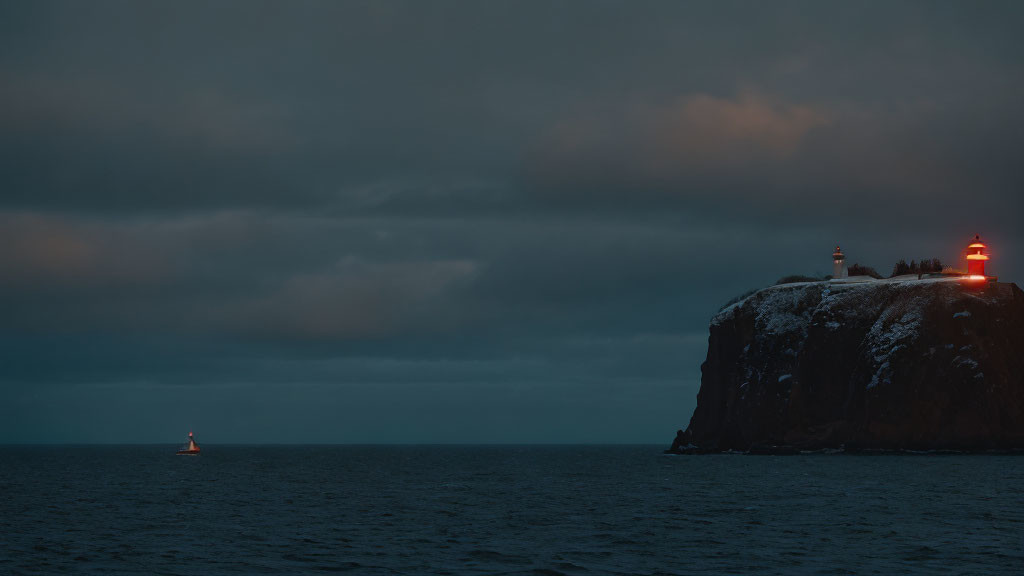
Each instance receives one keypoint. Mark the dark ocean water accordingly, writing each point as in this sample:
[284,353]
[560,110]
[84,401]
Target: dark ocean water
[504,510]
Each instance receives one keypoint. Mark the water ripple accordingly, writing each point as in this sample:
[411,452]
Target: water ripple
[508,510]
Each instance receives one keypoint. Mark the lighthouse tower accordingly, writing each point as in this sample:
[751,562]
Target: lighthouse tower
[838,264]
[976,257]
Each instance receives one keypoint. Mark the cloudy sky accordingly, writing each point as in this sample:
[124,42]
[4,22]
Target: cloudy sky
[461,221]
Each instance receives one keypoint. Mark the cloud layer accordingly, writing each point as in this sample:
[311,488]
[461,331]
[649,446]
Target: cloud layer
[451,222]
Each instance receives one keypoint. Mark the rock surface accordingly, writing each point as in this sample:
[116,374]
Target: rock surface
[934,364]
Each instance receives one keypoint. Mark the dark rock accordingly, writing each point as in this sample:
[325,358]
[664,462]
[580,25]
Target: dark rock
[935,364]
[681,442]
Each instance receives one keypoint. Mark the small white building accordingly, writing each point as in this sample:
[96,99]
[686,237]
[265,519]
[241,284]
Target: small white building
[838,264]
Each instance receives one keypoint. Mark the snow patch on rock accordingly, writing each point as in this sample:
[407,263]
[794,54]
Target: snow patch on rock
[894,329]
[964,361]
[881,375]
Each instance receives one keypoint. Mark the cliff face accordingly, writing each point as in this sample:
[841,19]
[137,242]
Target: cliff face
[920,365]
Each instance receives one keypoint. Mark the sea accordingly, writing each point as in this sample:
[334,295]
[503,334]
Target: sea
[542,510]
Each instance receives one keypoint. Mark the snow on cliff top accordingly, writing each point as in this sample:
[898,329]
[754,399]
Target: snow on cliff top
[779,307]
[894,308]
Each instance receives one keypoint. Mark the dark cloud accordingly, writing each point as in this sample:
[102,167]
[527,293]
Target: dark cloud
[401,221]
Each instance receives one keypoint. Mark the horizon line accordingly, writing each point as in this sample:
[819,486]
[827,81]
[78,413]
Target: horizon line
[353,444]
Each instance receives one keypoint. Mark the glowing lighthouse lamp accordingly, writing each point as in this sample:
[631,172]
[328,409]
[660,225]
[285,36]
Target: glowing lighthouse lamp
[976,258]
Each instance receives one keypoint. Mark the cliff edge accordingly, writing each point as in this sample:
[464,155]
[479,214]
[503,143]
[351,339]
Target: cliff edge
[933,364]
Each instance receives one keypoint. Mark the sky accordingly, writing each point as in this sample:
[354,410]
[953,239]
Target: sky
[461,222]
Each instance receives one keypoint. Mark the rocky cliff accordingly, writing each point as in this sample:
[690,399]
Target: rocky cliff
[935,364]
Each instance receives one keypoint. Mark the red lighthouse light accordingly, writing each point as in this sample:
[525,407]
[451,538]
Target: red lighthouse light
[976,257]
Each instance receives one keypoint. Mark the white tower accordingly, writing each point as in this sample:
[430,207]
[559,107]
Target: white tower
[838,264]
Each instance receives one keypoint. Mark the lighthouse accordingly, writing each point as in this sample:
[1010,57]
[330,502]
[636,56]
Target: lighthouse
[838,264]
[976,257]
